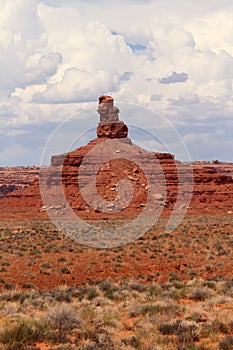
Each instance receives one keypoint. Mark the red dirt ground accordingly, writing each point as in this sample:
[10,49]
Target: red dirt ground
[34,252]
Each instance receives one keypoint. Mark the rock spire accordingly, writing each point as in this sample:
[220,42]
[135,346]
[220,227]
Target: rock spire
[109,125]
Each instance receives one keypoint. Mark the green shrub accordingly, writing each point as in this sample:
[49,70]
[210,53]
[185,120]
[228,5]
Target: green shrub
[169,328]
[25,331]
[92,293]
[200,293]
[65,270]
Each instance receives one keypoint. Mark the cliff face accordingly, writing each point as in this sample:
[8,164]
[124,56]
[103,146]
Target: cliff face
[121,184]
[15,178]
[213,187]
[211,191]
[142,170]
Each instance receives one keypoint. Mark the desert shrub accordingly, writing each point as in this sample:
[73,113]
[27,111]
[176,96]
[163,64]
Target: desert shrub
[228,285]
[14,295]
[197,317]
[64,293]
[61,259]
[132,341]
[231,326]
[192,274]
[154,309]
[62,317]
[94,346]
[226,343]
[219,327]
[200,293]
[28,286]
[186,332]
[65,270]
[16,346]
[64,347]
[154,289]
[173,276]
[138,287]
[193,347]
[9,286]
[217,278]
[210,284]
[25,331]
[106,286]
[173,294]
[169,328]
[21,346]
[99,336]
[92,293]
[150,309]
[213,328]
[153,347]
[46,265]
[206,330]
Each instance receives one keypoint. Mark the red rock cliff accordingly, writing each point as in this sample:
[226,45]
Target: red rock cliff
[211,188]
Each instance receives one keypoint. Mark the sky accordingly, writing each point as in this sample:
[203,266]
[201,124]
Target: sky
[169,59]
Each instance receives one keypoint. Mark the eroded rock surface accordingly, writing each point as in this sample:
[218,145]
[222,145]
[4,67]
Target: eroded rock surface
[14,178]
[210,188]
[110,126]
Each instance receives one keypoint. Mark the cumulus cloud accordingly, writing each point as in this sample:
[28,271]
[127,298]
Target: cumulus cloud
[40,69]
[77,86]
[57,57]
[21,34]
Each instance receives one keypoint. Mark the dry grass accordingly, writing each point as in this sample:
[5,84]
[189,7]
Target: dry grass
[126,315]
[164,291]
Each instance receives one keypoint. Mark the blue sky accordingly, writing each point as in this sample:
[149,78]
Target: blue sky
[172,58]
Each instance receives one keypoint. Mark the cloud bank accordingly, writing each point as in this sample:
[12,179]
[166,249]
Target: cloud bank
[57,57]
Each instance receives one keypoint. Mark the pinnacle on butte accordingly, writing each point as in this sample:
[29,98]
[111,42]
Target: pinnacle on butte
[110,126]
[212,190]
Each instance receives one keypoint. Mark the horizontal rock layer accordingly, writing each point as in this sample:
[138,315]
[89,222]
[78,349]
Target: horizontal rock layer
[14,178]
[117,130]
[211,189]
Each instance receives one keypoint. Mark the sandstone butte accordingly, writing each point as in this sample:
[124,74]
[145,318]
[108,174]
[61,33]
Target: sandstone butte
[211,190]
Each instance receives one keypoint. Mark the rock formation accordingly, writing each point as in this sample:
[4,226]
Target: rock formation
[16,177]
[110,126]
[211,190]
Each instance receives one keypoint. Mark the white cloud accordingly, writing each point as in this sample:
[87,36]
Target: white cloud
[213,31]
[78,86]
[39,69]
[57,56]
[21,34]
